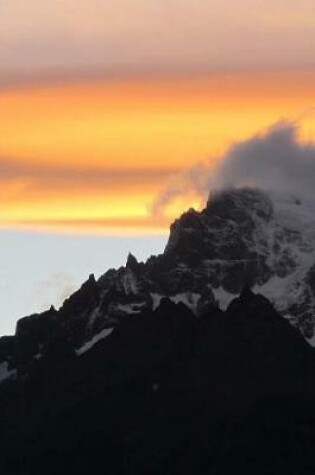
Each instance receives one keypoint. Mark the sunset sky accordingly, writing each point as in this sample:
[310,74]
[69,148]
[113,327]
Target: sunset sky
[102,104]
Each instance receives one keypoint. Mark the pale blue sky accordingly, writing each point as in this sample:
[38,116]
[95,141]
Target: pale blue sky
[39,269]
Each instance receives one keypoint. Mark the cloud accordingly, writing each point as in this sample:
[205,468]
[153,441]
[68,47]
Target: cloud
[274,160]
[86,199]
[33,179]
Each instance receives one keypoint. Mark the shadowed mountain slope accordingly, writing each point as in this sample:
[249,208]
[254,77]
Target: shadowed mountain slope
[168,393]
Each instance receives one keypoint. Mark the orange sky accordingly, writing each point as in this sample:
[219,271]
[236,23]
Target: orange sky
[93,156]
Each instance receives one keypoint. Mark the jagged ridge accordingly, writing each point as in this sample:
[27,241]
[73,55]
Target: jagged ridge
[165,392]
[242,237]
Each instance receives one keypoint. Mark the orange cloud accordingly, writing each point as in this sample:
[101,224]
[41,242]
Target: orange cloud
[95,154]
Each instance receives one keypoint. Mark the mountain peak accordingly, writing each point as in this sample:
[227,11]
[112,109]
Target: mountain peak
[132,262]
[251,237]
[246,199]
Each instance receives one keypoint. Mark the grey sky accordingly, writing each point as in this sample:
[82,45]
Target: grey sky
[63,36]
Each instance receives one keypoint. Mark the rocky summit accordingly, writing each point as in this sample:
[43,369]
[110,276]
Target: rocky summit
[242,237]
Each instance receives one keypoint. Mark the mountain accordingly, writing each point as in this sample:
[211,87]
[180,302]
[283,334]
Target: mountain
[242,237]
[163,393]
[180,364]
[250,237]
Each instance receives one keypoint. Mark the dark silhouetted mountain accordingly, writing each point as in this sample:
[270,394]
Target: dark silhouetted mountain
[142,372]
[242,237]
[165,392]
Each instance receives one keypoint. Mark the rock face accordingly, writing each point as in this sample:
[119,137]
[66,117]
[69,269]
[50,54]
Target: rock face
[249,237]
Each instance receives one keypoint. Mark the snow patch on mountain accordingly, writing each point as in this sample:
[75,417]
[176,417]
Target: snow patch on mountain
[222,297]
[96,338]
[5,372]
[129,282]
[190,299]
[130,308]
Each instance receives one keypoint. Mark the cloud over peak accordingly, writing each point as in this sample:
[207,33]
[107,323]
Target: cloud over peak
[275,160]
